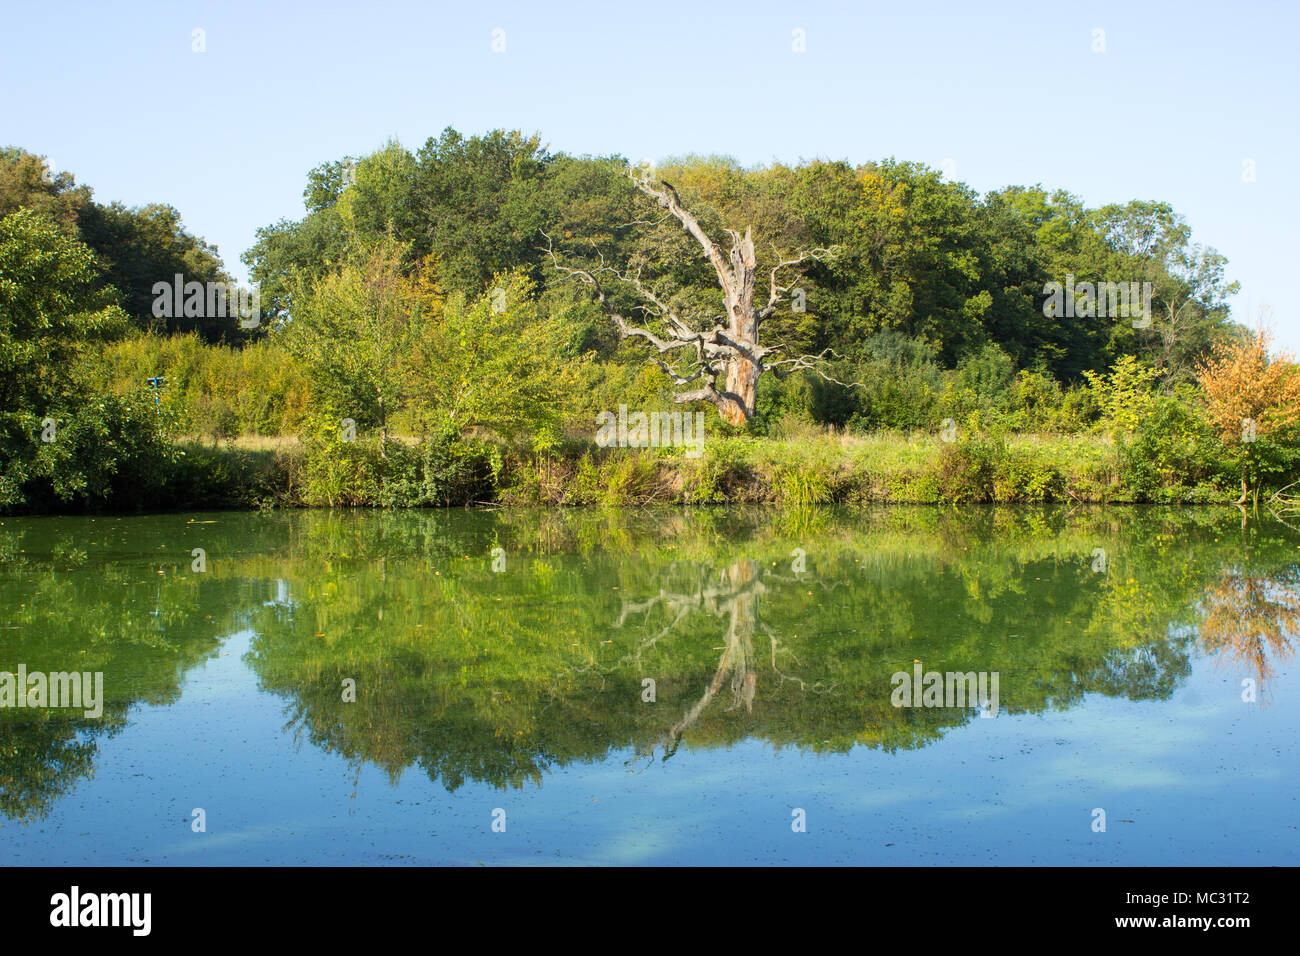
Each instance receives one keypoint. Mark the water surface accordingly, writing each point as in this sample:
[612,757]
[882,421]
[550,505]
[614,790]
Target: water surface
[651,687]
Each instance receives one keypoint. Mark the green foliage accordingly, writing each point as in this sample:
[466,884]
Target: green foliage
[476,195]
[719,477]
[897,395]
[51,311]
[139,248]
[496,364]
[916,255]
[112,450]
[1172,444]
[133,248]
[986,374]
[1035,401]
[56,441]
[210,390]
[1124,395]
[27,182]
[986,469]
[438,472]
[353,331]
[802,485]
[223,477]
[379,201]
[337,471]
[416,296]
[912,259]
[629,479]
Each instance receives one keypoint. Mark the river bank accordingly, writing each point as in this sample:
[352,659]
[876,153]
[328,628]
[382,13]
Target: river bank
[887,468]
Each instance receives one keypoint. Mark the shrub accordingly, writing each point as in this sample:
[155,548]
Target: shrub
[213,390]
[986,374]
[967,469]
[111,451]
[436,472]
[1173,445]
[801,485]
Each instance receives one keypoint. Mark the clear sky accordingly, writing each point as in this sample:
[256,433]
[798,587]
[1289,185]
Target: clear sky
[1184,94]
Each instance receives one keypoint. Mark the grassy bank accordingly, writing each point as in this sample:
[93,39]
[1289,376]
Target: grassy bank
[915,468]
[258,434]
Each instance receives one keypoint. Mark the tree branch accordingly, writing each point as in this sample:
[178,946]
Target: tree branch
[667,197]
[774,297]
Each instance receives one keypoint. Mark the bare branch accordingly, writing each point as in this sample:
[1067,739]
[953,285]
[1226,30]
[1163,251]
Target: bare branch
[776,291]
[667,197]
[809,363]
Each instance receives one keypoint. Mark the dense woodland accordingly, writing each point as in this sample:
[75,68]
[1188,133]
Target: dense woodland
[462,307]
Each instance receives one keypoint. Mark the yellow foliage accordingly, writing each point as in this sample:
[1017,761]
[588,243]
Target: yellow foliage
[1242,383]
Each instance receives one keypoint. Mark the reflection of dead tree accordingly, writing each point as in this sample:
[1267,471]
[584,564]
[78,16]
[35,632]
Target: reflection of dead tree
[734,595]
[356,783]
[737,664]
[717,599]
[1250,618]
[771,636]
[1285,503]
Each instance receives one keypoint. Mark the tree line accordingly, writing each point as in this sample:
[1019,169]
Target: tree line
[916,256]
[486,288]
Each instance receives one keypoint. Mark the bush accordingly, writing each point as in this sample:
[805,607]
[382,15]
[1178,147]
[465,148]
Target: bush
[967,469]
[802,485]
[436,472]
[214,390]
[722,475]
[1173,445]
[897,395]
[982,469]
[227,478]
[107,452]
[986,374]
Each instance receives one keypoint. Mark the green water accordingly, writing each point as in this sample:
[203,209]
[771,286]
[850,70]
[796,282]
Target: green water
[655,686]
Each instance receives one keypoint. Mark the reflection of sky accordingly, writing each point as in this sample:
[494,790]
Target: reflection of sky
[281,594]
[1200,779]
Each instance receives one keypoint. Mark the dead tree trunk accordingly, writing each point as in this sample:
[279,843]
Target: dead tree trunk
[728,359]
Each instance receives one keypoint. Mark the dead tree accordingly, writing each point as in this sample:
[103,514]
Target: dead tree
[723,362]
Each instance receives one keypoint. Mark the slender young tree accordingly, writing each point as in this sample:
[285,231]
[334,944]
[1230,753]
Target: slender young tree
[352,329]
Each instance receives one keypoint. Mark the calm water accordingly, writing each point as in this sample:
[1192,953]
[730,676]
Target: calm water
[654,687]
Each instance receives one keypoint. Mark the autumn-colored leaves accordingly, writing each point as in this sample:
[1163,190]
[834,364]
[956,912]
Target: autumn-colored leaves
[1242,384]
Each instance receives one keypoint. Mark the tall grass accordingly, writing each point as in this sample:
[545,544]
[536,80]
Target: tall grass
[213,390]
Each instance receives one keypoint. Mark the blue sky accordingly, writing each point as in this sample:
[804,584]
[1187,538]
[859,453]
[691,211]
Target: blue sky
[1014,93]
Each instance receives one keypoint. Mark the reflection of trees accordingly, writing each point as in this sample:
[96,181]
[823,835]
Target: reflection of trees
[65,607]
[475,676]
[1150,671]
[495,678]
[1251,618]
[734,595]
[43,758]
